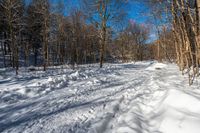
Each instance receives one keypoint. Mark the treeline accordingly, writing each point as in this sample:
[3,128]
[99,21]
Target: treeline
[42,33]
[179,38]
[131,43]
[186,30]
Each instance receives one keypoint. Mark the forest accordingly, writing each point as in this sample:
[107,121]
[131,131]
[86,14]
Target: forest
[62,57]
[42,33]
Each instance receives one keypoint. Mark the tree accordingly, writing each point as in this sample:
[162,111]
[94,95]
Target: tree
[131,42]
[102,13]
[12,21]
[39,20]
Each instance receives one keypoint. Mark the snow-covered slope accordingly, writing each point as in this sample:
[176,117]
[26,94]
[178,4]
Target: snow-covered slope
[145,97]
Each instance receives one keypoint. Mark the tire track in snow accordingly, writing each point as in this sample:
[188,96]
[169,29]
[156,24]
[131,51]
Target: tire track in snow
[128,92]
[149,96]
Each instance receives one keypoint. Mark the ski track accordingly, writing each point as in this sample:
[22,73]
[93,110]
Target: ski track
[122,99]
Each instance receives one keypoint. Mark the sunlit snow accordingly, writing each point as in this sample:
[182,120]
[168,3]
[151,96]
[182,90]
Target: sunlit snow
[142,97]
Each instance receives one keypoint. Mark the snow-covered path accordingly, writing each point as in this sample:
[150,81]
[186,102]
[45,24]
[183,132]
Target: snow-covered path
[146,97]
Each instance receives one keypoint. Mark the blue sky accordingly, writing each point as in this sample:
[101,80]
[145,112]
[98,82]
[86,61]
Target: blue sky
[136,10]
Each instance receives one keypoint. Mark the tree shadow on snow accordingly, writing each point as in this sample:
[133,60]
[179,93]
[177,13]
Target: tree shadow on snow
[32,115]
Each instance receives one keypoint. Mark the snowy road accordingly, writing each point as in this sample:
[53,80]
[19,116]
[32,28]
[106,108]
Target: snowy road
[146,97]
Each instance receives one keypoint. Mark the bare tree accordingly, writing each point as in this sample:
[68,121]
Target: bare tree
[101,13]
[41,14]
[12,15]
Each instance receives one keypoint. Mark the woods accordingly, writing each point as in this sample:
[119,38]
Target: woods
[42,33]
[186,33]
[11,30]
[178,34]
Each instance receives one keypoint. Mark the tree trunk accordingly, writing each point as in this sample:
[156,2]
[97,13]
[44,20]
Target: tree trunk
[46,60]
[103,44]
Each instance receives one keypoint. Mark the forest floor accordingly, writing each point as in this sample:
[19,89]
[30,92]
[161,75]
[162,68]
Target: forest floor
[141,97]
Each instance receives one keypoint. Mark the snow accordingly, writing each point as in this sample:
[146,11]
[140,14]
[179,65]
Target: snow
[182,114]
[141,97]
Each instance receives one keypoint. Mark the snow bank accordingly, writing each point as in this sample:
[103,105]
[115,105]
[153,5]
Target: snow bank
[30,84]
